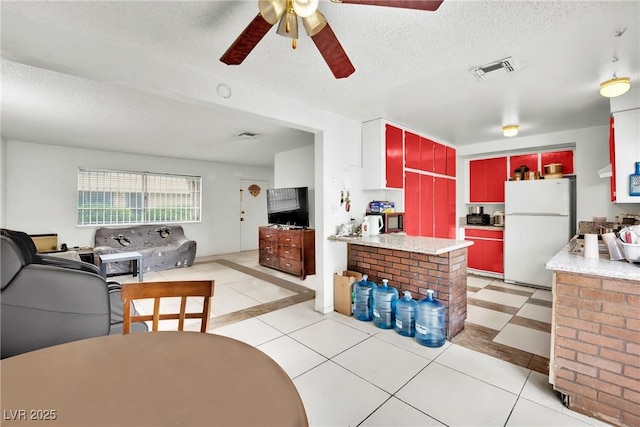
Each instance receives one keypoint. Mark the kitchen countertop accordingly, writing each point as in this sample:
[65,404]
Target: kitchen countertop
[402,242]
[570,262]
[482,227]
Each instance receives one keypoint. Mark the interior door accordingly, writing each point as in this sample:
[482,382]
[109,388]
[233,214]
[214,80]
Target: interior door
[253,212]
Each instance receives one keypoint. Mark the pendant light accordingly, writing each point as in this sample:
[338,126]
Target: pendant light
[617,85]
[510,130]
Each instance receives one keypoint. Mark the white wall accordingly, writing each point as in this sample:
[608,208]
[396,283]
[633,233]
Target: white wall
[295,168]
[591,154]
[42,192]
[3,181]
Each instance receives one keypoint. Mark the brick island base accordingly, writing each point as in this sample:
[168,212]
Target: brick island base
[595,359]
[445,273]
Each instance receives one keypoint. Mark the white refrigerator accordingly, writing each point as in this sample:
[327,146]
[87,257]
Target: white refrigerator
[539,221]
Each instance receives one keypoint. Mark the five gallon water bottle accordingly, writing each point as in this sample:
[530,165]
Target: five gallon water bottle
[363,299]
[406,315]
[430,322]
[385,298]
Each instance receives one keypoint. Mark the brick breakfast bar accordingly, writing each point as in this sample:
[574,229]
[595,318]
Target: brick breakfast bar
[416,264]
[595,336]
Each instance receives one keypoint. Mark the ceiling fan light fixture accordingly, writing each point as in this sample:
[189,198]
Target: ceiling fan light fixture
[305,8]
[510,130]
[315,23]
[272,10]
[288,26]
[615,87]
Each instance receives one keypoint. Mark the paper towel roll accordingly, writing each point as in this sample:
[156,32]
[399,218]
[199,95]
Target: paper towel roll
[591,246]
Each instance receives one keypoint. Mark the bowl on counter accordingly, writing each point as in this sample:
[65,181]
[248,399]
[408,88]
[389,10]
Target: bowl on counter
[631,251]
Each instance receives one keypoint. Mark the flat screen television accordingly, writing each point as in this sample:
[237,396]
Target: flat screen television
[288,206]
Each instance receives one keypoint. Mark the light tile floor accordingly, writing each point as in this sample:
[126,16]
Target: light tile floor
[350,373]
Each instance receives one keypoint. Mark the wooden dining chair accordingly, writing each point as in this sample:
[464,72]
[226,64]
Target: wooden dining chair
[158,290]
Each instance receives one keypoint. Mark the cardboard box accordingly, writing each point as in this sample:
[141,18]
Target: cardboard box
[343,291]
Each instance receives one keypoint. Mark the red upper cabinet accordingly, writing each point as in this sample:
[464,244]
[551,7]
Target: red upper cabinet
[439,158]
[393,152]
[486,180]
[426,154]
[528,160]
[382,156]
[451,161]
[412,151]
[565,158]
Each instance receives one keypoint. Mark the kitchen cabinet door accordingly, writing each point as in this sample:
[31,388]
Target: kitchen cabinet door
[565,158]
[486,180]
[444,202]
[426,154]
[412,151]
[493,256]
[528,160]
[452,224]
[612,158]
[393,156]
[489,252]
[477,181]
[475,254]
[412,203]
[496,172]
[451,161]
[627,152]
[441,208]
[428,200]
[439,158]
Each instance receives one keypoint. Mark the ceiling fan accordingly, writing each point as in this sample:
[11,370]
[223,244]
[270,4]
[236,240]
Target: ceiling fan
[316,25]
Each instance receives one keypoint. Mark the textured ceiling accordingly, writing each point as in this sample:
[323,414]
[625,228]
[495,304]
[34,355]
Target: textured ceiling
[412,67]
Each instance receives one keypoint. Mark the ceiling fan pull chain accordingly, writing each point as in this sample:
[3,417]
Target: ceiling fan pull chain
[294,43]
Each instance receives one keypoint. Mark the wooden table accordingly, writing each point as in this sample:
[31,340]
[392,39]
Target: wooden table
[122,256]
[149,379]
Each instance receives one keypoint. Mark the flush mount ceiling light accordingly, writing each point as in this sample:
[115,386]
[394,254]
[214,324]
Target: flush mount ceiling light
[615,86]
[510,130]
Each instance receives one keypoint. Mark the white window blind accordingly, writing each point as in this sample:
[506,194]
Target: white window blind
[121,197]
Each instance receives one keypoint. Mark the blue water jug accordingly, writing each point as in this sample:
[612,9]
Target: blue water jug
[406,315]
[430,322]
[363,299]
[385,298]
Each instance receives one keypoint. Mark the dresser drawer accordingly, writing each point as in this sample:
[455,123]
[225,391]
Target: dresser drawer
[288,238]
[268,258]
[289,252]
[290,265]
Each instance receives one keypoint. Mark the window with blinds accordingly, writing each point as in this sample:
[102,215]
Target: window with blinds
[108,197]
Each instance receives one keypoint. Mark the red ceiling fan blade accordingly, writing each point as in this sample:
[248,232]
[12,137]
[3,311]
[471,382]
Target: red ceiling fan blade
[430,5]
[333,53]
[246,41]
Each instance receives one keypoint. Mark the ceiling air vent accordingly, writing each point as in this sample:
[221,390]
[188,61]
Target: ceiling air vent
[495,68]
[248,135]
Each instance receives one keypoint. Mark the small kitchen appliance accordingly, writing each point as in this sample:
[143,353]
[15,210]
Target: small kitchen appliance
[479,219]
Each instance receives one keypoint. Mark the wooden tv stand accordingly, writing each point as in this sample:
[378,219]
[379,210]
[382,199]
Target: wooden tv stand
[291,250]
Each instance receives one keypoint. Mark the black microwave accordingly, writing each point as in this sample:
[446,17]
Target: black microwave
[392,222]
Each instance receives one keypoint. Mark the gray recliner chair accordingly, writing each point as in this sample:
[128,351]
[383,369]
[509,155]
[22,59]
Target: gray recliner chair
[46,300]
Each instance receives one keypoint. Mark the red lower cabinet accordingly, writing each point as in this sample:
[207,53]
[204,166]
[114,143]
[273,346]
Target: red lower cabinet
[487,252]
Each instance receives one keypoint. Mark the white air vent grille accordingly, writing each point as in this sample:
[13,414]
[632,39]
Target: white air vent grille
[495,68]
